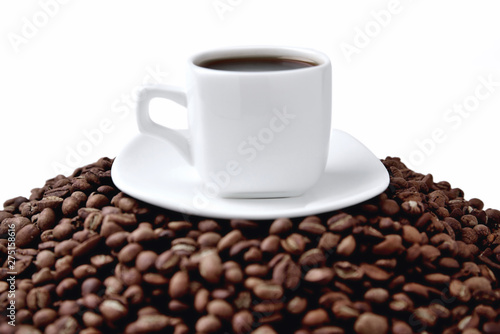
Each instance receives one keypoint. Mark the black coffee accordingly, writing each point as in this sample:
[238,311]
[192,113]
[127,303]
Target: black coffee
[257,64]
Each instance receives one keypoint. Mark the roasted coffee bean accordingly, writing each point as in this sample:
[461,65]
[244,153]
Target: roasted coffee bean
[270,244]
[370,323]
[211,267]
[341,222]
[297,305]
[242,322]
[44,317]
[65,324]
[391,245]
[312,258]
[347,246]
[281,226]
[312,225]
[37,298]
[321,276]
[208,324]
[220,308]
[167,262]
[65,247]
[45,259]
[148,323]
[314,318]
[46,219]
[209,239]
[27,235]
[179,285]
[287,273]
[268,291]
[113,310]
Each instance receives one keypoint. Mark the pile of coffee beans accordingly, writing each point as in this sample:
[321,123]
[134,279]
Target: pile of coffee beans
[90,259]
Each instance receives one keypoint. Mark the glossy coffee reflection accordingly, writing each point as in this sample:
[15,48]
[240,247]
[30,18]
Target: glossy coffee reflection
[257,64]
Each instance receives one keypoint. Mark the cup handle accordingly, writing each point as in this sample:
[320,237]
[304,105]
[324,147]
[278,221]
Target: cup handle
[148,126]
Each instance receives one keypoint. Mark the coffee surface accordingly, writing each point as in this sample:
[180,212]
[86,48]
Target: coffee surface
[257,64]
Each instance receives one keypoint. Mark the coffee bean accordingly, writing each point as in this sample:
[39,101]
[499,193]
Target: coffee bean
[242,246]
[347,246]
[88,246]
[344,310]
[348,271]
[257,270]
[44,317]
[208,324]
[46,219]
[243,224]
[112,310]
[45,259]
[145,260]
[478,284]
[211,267]
[179,285]
[229,240]
[148,323]
[370,323]
[117,240]
[67,287]
[321,276]
[287,273]
[129,252]
[101,260]
[315,318]
[390,207]
[65,247]
[27,235]
[167,262]
[123,220]
[242,322]
[142,234]
[44,276]
[84,271]
[63,231]
[297,305]
[233,274]
[377,295]
[267,307]
[266,329]
[209,239]
[391,245]
[37,299]
[268,291]
[312,225]
[252,255]
[91,319]
[70,206]
[271,244]
[281,226]
[220,308]
[68,307]
[312,258]
[65,324]
[134,295]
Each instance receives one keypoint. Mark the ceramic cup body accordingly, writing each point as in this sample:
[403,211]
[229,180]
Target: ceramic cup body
[252,134]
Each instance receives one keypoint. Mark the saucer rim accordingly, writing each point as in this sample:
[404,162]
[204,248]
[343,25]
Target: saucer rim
[191,210]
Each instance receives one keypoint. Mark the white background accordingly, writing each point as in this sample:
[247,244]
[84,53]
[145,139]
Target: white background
[68,68]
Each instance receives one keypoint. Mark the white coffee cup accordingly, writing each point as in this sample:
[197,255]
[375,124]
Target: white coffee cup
[252,134]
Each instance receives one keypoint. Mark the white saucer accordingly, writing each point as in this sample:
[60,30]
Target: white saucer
[152,170]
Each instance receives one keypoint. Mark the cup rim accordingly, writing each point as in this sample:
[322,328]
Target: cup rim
[320,58]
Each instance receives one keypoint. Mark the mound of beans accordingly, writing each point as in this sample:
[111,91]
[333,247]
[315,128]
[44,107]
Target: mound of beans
[90,259]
